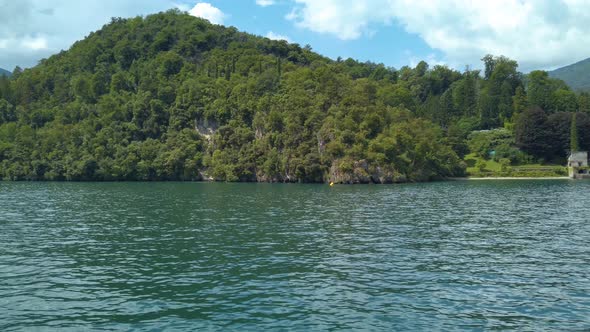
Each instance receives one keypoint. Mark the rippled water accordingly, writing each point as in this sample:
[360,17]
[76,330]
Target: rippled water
[170,256]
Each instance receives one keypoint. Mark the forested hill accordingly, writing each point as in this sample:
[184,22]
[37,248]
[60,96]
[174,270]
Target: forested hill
[4,72]
[172,97]
[577,75]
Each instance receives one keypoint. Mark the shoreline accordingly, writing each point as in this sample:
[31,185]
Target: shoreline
[511,178]
[279,182]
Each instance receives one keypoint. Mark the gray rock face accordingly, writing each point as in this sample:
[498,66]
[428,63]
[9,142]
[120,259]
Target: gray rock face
[362,173]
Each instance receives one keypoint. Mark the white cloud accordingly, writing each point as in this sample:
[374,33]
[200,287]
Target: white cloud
[207,11]
[537,33]
[265,3]
[25,43]
[276,36]
[431,59]
[347,19]
[34,29]
[36,43]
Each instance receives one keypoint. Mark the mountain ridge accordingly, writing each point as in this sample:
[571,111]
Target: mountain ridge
[576,75]
[4,72]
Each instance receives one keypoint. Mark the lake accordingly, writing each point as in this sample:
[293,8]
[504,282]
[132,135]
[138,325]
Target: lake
[215,256]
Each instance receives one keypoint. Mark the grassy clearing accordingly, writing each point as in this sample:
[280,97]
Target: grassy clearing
[494,169]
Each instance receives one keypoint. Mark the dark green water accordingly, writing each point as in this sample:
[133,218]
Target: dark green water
[194,256]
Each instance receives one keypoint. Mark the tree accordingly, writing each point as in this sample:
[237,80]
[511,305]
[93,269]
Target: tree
[563,100]
[552,95]
[531,132]
[125,53]
[170,97]
[574,140]
[421,68]
[560,126]
[465,94]
[504,164]
[171,63]
[489,64]
[584,102]
[519,100]
[446,110]
[481,165]
[7,112]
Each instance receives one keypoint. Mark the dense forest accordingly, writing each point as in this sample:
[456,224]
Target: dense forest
[173,97]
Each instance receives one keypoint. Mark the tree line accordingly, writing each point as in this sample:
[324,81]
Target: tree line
[173,97]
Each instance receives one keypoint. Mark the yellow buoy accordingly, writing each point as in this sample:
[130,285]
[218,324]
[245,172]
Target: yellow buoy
[331,184]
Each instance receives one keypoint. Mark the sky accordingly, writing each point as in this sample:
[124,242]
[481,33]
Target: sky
[539,34]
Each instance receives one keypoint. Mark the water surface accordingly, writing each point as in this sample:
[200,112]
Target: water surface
[190,256]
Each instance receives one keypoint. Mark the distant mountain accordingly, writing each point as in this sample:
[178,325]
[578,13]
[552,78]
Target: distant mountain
[4,72]
[577,76]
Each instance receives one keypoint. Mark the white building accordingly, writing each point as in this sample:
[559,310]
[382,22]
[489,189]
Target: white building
[577,165]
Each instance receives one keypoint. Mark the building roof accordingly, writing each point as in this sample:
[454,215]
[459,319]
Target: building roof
[578,156]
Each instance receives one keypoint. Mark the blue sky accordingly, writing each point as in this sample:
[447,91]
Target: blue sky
[539,34]
[389,44]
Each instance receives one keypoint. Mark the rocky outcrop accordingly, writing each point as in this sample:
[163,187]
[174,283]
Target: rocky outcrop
[206,128]
[260,177]
[360,172]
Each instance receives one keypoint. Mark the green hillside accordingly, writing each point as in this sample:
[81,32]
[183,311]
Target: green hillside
[577,76]
[173,97]
[4,72]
